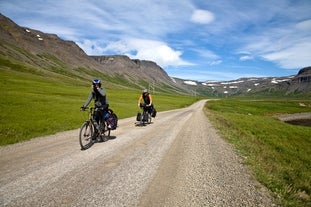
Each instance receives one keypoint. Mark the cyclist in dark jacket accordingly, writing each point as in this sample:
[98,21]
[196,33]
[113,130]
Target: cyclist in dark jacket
[98,93]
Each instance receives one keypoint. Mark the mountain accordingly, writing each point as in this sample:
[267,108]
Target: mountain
[301,82]
[295,85]
[25,49]
[47,55]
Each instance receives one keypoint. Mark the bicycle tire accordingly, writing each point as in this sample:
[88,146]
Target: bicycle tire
[142,118]
[86,134]
[149,118]
[146,118]
[107,131]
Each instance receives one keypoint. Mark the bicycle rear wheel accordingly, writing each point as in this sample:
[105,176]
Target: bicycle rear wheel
[86,134]
[146,118]
[142,118]
[106,135]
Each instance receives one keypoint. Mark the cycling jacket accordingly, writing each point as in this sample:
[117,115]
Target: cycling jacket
[99,96]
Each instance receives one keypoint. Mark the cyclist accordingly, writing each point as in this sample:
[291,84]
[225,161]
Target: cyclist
[147,100]
[98,93]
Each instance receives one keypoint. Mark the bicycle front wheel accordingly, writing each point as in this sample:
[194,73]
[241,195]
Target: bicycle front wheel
[86,134]
[106,135]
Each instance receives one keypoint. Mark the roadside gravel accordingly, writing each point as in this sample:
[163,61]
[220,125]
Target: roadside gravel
[178,160]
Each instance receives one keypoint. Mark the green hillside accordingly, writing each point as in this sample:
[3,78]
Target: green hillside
[37,101]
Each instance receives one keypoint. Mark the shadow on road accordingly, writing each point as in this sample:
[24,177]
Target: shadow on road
[98,141]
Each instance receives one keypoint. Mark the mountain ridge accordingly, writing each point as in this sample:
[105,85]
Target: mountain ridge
[50,54]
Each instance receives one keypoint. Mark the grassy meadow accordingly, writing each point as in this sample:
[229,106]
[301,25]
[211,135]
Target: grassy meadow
[36,102]
[278,154]
[33,105]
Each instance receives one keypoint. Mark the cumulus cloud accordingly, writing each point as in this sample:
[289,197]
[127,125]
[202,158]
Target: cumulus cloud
[145,49]
[202,16]
[246,57]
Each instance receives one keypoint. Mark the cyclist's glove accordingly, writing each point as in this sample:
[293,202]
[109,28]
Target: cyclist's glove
[82,108]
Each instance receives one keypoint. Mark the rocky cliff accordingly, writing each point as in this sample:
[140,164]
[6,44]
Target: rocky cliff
[301,82]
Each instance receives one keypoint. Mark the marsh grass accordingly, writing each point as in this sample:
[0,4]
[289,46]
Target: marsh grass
[33,105]
[278,153]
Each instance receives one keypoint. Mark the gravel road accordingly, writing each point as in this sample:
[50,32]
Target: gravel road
[178,160]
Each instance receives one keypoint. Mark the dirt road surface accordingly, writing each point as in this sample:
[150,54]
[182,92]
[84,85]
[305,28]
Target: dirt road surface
[178,160]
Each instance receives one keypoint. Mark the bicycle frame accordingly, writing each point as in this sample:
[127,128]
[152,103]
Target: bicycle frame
[145,115]
[89,133]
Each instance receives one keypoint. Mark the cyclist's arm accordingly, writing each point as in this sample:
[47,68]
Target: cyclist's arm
[139,100]
[150,98]
[101,91]
[88,101]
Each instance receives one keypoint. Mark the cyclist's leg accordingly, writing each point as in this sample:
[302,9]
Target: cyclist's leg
[101,118]
[106,113]
[98,114]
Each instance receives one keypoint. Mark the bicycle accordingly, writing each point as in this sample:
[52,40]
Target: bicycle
[89,133]
[145,115]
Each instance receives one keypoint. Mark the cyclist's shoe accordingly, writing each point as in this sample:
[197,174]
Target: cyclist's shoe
[104,138]
[109,126]
[100,139]
[102,128]
[94,138]
[95,135]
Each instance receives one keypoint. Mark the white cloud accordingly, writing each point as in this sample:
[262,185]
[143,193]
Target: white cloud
[202,16]
[143,49]
[304,25]
[205,53]
[246,57]
[286,46]
[296,56]
[217,62]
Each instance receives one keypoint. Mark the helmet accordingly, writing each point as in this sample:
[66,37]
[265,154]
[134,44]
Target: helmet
[96,81]
[145,91]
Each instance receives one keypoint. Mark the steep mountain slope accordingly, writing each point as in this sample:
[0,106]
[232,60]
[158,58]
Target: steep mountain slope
[301,82]
[48,55]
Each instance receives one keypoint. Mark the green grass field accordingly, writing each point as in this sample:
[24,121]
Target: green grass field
[36,104]
[33,105]
[279,154]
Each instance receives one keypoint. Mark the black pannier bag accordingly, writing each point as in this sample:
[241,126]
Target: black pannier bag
[112,119]
[138,117]
[154,112]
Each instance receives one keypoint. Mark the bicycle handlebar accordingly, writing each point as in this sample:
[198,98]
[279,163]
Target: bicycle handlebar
[143,105]
[85,108]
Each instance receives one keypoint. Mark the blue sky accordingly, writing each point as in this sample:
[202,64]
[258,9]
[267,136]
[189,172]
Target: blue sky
[191,39]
